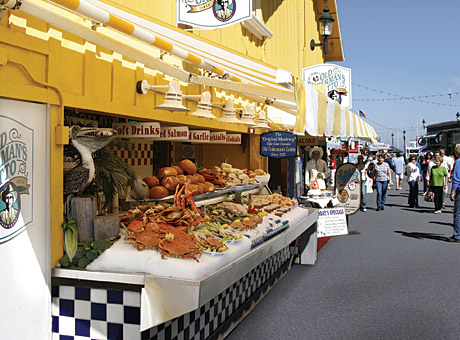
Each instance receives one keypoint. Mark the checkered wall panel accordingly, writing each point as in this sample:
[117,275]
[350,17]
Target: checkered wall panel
[142,156]
[88,313]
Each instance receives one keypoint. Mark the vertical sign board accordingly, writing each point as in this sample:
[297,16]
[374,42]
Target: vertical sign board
[348,187]
[24,226]
[278,144]
[212,14]
[16,174]
[332,222]
[337,80]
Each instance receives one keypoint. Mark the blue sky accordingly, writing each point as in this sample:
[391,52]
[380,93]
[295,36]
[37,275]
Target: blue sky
[407,48]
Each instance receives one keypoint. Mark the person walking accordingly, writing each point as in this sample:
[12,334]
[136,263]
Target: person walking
[456,197]
[437,183]
[413,175]
[362,166]
[399,169]
[382,178]
[424,164]
[389,160]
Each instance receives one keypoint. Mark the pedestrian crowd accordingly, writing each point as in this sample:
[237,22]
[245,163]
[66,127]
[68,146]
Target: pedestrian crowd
[435,170]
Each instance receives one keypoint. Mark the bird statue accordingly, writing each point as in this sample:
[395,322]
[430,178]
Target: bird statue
[86,140]
[139,190]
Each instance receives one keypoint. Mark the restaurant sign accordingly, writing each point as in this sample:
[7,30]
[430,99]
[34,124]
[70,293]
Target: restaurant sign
[219,137]
[337,81]
[233,138]
[137,130]
[278,144]
[16,172]
[174,133]
[213,14]
[348,187]
[200,136]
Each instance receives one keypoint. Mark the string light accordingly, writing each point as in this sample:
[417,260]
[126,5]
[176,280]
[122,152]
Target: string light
[400,97]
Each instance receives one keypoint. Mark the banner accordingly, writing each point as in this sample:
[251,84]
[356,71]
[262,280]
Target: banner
[138,130]
[211,14]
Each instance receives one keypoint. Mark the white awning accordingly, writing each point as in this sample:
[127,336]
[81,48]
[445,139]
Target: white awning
[318,116]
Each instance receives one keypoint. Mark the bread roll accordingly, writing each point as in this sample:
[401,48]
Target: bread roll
[152,181]
[260,172]
[202,188]
[199,178]
[194,188]
[188,166]
[166,171]
[178,169]
[170,182]
[225,165]
[192,179]
[182,179]
[158,192]
[211,187]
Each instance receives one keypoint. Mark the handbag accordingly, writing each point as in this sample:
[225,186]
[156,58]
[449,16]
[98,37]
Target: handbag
[429,196]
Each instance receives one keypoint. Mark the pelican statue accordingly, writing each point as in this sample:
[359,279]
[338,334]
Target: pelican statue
[86,140]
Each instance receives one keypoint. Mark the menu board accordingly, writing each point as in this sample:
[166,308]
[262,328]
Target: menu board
[278,144]
[332,222]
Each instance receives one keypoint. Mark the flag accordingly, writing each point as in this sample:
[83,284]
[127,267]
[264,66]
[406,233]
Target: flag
[362,114]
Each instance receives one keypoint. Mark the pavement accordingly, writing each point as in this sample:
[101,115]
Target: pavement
[395,276]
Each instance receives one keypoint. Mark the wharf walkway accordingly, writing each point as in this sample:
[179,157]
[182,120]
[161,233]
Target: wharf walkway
[395,276]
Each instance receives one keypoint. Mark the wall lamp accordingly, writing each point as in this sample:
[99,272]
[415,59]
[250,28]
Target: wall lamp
[325,29]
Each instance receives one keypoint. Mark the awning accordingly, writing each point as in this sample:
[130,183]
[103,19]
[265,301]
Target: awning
[318,115]
[432,134]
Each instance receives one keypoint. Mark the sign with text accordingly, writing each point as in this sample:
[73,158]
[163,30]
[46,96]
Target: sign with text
[337,80]
[138,130]
[348,187]
[278,144]
[233,138]
[213,14]
[200,136]
[302,140]
[174,133]
[16,174]
[219,137]
[332,222]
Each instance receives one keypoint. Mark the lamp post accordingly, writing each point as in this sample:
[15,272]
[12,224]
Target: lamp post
[458,117]
[404,142]
[423,122]
[392,139]
[325,30]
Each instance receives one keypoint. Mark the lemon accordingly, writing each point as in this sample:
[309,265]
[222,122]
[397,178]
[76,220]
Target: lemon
[225,225]
[245,219]
[265,213]
[237,221]
[260,214]
[207,217]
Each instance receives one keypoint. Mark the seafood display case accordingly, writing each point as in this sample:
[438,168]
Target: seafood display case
[151,298]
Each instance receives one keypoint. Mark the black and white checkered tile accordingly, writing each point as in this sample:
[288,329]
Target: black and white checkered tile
[203,322]
[88,313]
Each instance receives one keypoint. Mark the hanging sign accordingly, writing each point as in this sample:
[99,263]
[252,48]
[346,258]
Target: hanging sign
[16,171]
[213,14]
[200,136]
[137,130]
[174,133]
[302,140]
[348,187]
[332,222]
[219,137]
[278,144]
[233,139]
[337,81]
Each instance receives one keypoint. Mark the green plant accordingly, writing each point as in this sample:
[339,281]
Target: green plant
[112,174]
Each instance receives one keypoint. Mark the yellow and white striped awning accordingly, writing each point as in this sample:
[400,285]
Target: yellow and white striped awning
[318,116]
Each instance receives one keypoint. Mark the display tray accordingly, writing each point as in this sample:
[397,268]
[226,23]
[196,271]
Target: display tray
[181,295]
[210,195]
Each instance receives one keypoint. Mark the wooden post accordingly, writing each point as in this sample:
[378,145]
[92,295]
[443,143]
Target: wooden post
[84,212]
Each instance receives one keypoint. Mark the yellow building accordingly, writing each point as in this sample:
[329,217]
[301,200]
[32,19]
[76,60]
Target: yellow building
[84,58]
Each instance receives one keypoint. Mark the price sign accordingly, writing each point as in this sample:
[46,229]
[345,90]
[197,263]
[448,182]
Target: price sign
[332,222]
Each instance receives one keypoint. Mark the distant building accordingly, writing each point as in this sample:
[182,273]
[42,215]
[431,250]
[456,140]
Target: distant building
[443,135]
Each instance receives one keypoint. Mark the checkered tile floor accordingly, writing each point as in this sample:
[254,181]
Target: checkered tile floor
[88,313]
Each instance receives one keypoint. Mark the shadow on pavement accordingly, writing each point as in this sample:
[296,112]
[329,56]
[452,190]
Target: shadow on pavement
[442,223]
[419,210]
[421,236]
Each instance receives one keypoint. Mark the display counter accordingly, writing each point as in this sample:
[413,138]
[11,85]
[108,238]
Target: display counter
[104,303]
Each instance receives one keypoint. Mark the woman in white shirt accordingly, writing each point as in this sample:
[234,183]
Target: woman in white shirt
[413,175]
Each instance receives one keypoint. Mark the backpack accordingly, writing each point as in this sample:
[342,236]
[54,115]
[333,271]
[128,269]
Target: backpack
[370,170]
